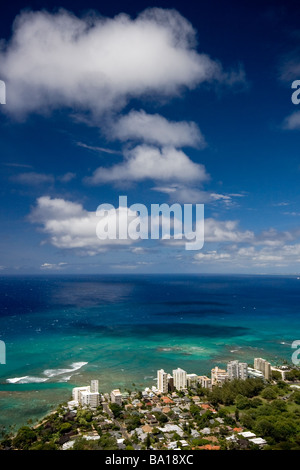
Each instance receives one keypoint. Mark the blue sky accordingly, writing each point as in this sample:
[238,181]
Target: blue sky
[163,102]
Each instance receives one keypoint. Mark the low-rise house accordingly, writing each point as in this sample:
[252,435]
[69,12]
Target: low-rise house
[151,420]
[212,439]
[183,443]
[167,400]
[258,441]
[147,429]
[68,445]
[232,438]
[247,434]
[208,447]
[91,437]
[120,443]
[170,428]
[205,431]
[220,420]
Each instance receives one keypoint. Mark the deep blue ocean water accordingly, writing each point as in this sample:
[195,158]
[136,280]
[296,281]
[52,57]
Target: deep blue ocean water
[62,331]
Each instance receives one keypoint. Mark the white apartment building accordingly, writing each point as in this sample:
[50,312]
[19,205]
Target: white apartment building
[180,380]
[91,399]
[162,381]
[77,390]
[204,381]
[264,366]
[255,374]
[116,397]
[218,376]
[87,396]
[191,379]
[237,370]
[94,386]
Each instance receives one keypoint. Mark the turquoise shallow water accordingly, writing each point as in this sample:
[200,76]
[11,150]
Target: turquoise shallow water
[63,331]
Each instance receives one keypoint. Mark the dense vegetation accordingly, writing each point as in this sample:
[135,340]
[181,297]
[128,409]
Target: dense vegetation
[270,410]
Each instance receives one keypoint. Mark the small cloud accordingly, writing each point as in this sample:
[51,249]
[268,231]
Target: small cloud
[138,250]
[292,122]
[51,266]
[293,214]
[157,130]
[281,204]
[67,177]
[17,165]
[188,194]
[32,178]
[212,256]
[98,149]
[124,266]
[290,67]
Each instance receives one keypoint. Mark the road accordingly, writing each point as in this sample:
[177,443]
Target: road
[123,429]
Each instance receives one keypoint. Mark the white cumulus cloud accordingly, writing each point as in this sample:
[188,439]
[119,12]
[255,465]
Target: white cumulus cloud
[226,231]
[70,226]
[96,64]
[155,129]
[148,162]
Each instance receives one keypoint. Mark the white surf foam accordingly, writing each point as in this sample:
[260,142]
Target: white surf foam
[54,372]
[49,373]
[26,379]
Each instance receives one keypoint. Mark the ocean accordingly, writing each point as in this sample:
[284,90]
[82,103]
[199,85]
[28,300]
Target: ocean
[63,331]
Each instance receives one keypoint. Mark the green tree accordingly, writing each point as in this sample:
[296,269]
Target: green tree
[264,427]
[24,438]
[148,441]
[256,402]
[296,397]
[116,409]
[275,375]
[269,393]
[65,427]
[242,403]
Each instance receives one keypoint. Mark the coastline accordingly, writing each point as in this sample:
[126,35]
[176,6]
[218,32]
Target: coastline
[162,416]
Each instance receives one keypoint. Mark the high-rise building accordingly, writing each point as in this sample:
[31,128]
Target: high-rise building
[116,397]
[191,380]
[263,366]
[204,381]
[91,399]
[179,377]
[94,386]
[170,383]
[162,381]
[77,390]
[237,370]
[218,376]
[87,396]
